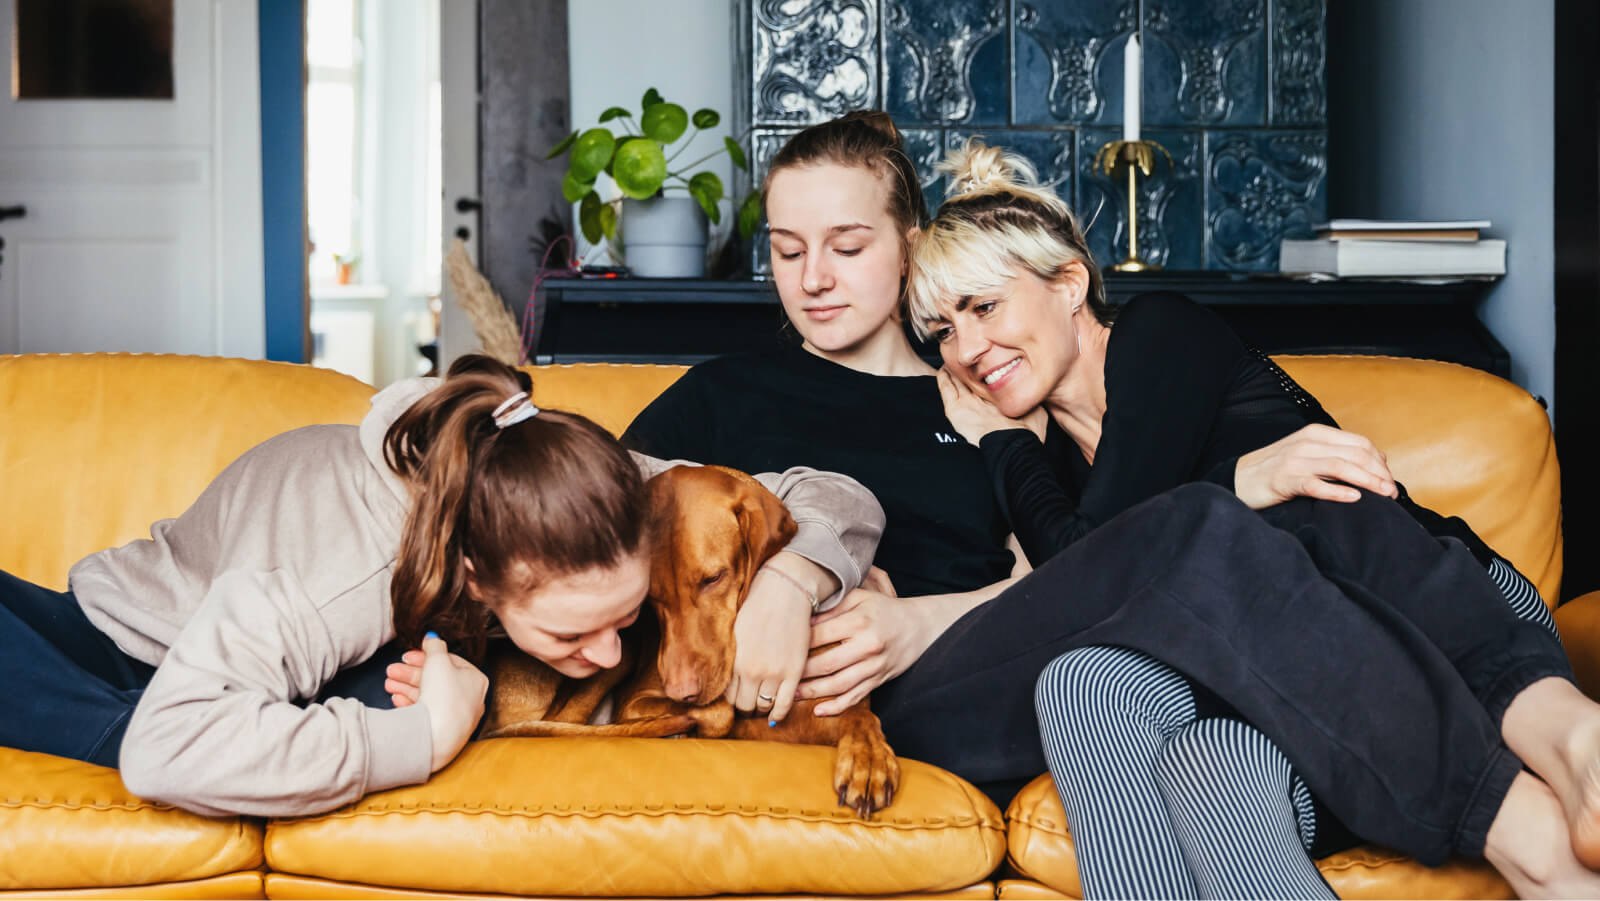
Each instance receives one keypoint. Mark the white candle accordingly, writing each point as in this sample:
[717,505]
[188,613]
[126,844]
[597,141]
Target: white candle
[1132,79]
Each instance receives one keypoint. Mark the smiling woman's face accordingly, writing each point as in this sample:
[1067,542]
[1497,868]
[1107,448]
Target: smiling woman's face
[1014,343]
[571,622]
[837,256]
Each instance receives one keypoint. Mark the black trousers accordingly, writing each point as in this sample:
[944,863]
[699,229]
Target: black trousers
[69,690]
[1378,658]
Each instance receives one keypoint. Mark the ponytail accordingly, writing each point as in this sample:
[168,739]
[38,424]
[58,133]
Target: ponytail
[546,496]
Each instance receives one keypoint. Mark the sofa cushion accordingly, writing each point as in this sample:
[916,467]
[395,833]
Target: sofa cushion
[1462,441]
[1040,847]
[649,817]
[99,446]
[65,824]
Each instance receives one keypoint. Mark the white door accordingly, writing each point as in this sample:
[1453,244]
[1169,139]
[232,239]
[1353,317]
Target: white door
[458,110]
[142,229]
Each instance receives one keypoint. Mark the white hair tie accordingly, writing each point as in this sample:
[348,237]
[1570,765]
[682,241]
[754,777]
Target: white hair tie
[513,410]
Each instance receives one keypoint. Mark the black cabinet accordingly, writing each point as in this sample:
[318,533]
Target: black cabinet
[689,320]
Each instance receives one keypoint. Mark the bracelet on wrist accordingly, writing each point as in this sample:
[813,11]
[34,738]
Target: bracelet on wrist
[810,595]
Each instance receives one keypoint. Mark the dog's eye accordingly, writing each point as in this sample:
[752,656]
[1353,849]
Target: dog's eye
[711,580]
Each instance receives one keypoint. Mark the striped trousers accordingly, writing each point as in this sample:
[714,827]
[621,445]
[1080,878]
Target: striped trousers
[1163,803]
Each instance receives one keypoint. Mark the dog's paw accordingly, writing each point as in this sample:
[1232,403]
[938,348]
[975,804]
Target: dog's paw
[714,720]
[865,772]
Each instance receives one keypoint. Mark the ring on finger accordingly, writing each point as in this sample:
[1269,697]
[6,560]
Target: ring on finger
[766,698]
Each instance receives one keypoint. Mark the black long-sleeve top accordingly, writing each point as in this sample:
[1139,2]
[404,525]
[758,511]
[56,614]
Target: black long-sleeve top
[943,532]
[1185,398]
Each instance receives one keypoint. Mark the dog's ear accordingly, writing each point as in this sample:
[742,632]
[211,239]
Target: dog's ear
[764,523]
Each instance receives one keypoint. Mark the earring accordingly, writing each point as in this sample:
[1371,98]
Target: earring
[1078,337]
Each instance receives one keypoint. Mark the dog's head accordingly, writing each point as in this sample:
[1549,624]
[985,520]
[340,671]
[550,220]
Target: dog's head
[714,527]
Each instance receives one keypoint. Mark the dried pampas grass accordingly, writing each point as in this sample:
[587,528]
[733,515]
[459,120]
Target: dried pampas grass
[496,327]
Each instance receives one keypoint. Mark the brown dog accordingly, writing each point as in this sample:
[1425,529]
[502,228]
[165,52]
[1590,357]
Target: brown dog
[714,528]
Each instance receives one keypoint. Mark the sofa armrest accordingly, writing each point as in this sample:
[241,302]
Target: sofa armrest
[1578,620]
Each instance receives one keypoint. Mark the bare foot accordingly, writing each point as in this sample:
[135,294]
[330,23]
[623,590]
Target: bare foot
[1528,843]
[1583,805]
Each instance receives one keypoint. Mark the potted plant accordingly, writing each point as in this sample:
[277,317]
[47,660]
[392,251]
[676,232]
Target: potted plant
[663,234]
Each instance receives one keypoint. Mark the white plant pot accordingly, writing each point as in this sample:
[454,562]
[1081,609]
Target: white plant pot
[664,237]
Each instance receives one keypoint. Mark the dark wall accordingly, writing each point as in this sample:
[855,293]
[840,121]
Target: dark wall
[1577,288]
[526,110]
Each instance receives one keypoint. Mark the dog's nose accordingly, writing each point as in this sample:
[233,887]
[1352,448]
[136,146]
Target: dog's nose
[684,686]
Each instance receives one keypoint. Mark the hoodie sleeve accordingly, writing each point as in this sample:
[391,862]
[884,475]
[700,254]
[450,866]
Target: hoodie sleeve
[838,520]
[217,730]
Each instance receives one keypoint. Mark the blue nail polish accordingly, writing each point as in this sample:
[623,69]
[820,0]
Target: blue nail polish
[771,723]
[431,634]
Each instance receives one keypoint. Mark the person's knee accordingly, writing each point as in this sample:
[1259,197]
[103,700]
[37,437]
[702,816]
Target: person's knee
[1096,685]
[1213,749]
[1204,508]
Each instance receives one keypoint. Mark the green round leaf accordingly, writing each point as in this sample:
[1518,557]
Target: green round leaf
[750,214]
[591,152]
[561,147]
[608,221]
[706,187]
[639,169]
[736,153]
[573,190]
[664,122]
[706,118]
[589,217]
[615,112]
[651,98]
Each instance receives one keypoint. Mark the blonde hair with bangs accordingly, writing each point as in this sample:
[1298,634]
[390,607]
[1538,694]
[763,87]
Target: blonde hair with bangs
[996,219]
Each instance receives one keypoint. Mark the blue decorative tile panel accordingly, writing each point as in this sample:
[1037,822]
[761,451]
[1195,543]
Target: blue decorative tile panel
[813,60]
[1205,62]
[926,148]
[1170,201]
[1299,54]
[1263,186]
[1069,60]
[1234,89]
[946,62]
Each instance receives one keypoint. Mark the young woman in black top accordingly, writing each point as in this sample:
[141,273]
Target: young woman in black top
[1079,420]
[953,670]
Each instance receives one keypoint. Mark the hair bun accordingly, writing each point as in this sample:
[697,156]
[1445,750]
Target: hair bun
[976,168]
[875,119]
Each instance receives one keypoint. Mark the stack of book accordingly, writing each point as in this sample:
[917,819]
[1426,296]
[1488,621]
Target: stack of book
[1375,248]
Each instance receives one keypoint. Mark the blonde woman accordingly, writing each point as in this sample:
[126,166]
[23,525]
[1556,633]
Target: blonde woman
[1082,415]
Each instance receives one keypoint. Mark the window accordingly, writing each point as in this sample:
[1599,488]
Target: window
[333,135]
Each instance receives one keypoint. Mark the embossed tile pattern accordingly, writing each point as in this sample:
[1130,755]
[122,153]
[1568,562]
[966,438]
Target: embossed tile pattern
[1171,201]
[1234,89]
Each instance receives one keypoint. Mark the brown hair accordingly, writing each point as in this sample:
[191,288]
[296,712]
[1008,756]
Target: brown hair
[998,218]
[555,493]
[865,138]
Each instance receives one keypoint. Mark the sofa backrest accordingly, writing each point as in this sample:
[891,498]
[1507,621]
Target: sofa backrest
[96,447]
[1462,441]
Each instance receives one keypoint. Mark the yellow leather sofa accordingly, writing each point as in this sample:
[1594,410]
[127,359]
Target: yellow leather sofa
[93,448]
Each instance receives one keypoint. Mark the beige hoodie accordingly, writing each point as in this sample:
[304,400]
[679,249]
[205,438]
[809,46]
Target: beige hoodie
[277,578]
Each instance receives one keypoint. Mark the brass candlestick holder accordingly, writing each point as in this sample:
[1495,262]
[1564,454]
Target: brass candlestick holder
[1134,156]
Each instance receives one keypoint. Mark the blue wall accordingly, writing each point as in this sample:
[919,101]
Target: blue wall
[1445,109]
[283,176]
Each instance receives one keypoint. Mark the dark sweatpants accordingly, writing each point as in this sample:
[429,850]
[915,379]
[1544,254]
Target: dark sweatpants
[1336,633]
[69,690]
